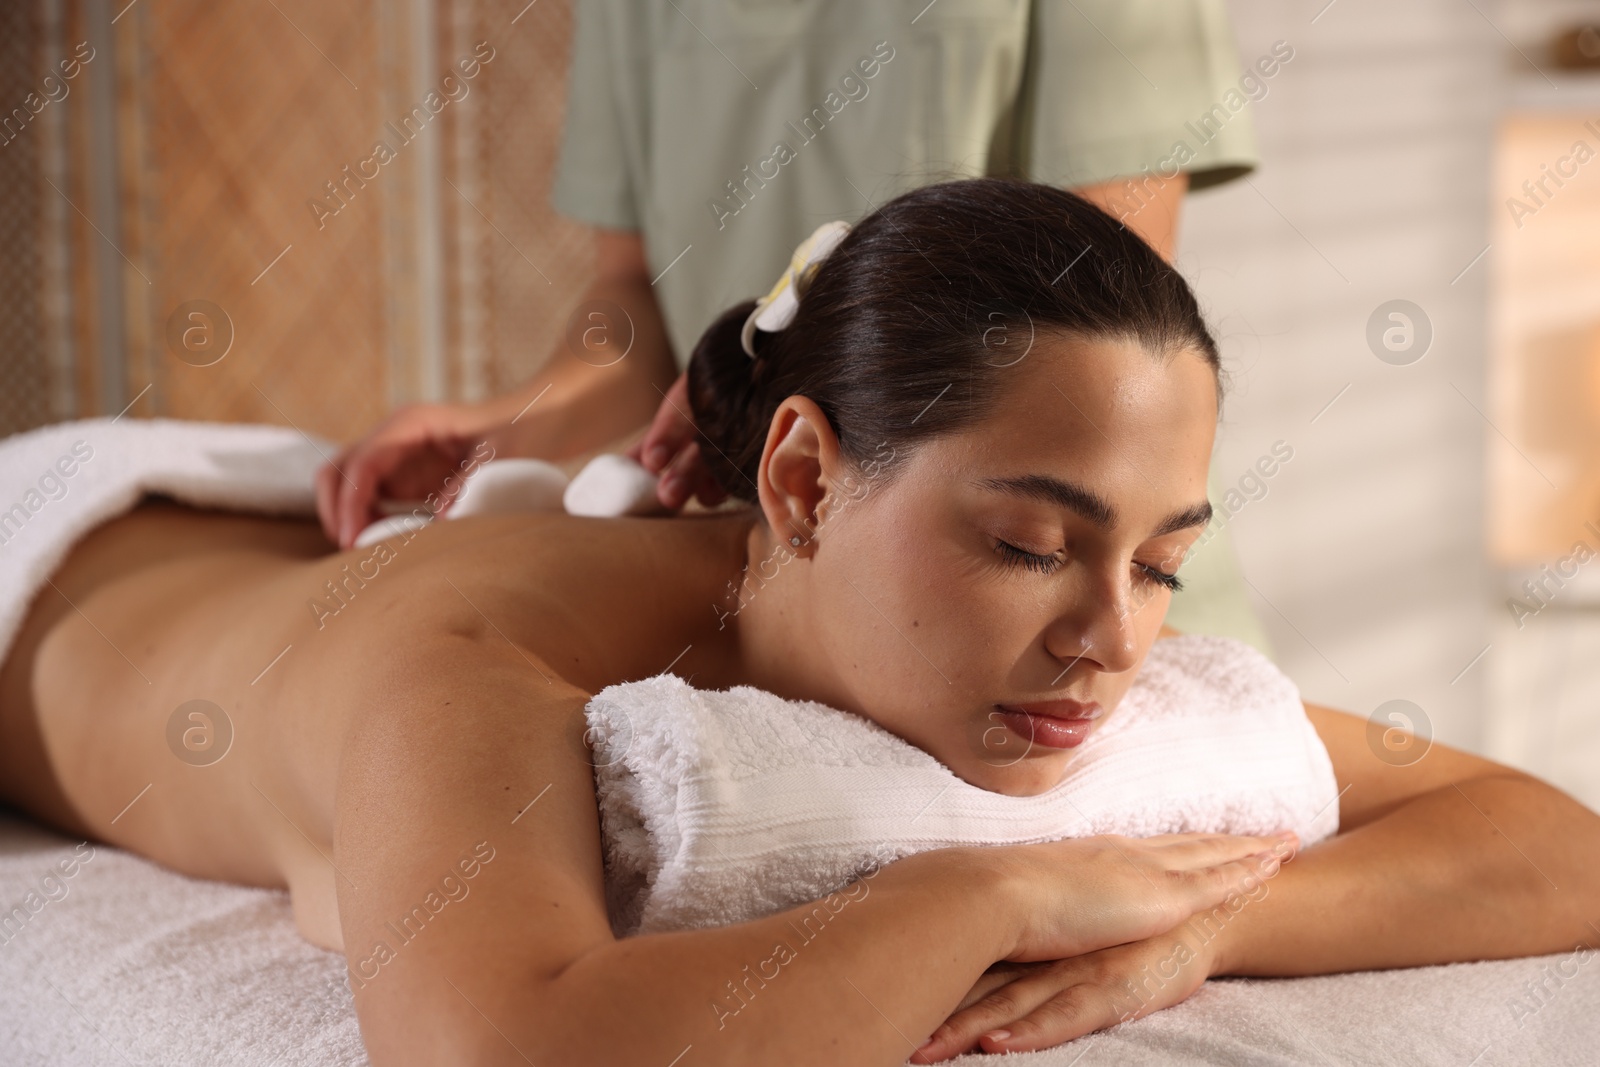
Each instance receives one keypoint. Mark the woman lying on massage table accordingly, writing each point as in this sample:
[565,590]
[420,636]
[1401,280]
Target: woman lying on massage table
[953,533]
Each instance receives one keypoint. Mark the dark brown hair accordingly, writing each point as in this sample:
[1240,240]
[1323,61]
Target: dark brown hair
[930,297]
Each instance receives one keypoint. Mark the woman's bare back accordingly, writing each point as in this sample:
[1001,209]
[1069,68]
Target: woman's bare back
[185,685]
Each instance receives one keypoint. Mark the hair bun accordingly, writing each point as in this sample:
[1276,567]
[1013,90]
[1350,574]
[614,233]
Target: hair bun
[723,400]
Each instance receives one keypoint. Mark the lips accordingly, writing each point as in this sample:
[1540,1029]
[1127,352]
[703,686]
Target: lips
[1053,723]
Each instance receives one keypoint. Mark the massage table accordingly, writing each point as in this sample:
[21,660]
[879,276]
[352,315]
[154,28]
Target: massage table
[126,963]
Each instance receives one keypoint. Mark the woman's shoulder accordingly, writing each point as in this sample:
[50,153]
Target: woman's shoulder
[598,600]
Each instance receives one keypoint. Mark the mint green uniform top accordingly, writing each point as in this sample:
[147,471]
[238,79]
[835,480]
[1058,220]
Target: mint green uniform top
[725,131]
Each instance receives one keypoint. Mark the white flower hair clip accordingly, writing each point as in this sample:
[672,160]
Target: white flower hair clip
[777,309]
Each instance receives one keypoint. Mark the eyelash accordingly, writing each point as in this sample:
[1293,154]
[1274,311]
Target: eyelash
[1016,557]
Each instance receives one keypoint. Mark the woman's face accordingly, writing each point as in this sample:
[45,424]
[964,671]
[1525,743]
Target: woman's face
[1006,571]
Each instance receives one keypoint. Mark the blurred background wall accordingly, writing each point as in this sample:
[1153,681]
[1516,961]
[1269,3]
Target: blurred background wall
[158,209]
[1432,478]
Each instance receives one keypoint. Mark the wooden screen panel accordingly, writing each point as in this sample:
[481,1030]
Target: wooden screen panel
[247,111]
[24,366]
[520,125]
[444,275]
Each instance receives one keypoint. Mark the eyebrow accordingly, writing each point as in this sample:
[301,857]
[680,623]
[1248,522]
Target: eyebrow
[1089,504]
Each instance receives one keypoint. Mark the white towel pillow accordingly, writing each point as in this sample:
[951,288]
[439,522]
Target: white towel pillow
[719,807]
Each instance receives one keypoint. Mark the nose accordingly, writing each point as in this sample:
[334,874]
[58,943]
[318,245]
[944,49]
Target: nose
[1098,626]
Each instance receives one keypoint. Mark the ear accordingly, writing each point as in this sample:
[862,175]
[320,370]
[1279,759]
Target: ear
[800,463]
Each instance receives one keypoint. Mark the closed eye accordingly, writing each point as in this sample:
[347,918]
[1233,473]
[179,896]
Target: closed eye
[1171,581]
[1033,561]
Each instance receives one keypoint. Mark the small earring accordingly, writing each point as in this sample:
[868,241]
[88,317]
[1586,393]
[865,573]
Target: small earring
[795,541]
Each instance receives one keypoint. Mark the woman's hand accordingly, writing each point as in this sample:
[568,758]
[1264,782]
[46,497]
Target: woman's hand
[669,448]
[1020,1007]
[1084,894]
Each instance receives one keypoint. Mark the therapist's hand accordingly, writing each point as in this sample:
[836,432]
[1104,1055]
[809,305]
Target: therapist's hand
[409,456]
[576,404]
[670,448]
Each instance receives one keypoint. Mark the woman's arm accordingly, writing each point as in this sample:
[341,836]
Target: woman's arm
[1450,858]
[1153,215]
[607,375]
[471,896]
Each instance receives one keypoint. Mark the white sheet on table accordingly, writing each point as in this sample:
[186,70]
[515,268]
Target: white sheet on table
[137,965]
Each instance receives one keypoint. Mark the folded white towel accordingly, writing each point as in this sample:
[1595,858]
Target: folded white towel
[59,482]
[720,807]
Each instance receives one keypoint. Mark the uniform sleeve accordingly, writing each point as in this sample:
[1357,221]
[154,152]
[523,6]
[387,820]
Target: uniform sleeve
[594,180]
[1117,87]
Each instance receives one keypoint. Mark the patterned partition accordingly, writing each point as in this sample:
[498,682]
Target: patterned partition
[216,234]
